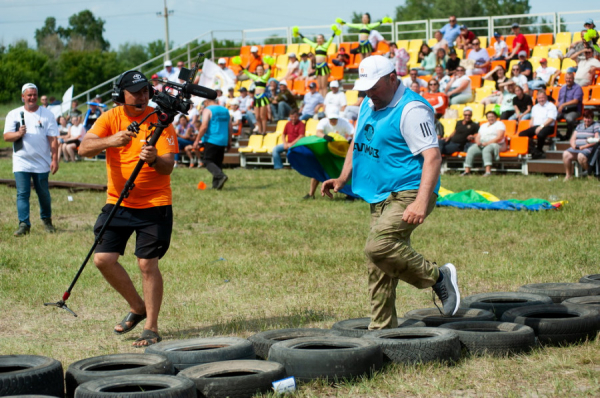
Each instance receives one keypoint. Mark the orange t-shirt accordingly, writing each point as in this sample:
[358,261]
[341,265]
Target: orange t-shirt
[151,189]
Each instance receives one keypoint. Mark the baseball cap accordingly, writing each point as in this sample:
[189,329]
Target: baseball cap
[496,34]
[243,90]
[462,27]
[522,54]
[333,112]
[334,83]
[467,108]
[283,82]
[312,85]
[292,55]
[168,63]
[133,81]
[304,55]
[515,25]
[589,21]
[222,61]
[452,51]
[253,49]
[154,76]
[370,70]
[27,86]
[543,60]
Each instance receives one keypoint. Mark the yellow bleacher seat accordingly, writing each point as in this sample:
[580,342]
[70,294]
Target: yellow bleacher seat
[460,53]
[304,48]
[489,83]
[415,45]
[478,109]
[459,108]
[482,92]
[413,62]
[449,126]
[508,71]
[535,64]
[483,40]
[564,48]
[403,44]
[331,50]
[567,63]
[254,144]
[564,38]
[351,97]
[576,37]
[431,42]
[280,139]
[540,51]
[269,142]
[280,127]
[311,127]
[293,48]
[554,62]
[489,107]
[281,66]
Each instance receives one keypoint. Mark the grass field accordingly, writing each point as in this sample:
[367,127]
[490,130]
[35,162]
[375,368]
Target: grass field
[292,263]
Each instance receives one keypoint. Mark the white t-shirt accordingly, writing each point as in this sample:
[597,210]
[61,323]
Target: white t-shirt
[489,132]
[293,67]
[539,113]
[480,57]
[36,155]
[343,127]
[236,116]
[78,132]
[583,70]
[245,103]
[520,81]
[335,99]
[407,81]
[500,49]
[456,83]
[444,82]
[440,44]
[375,37]
[545,73]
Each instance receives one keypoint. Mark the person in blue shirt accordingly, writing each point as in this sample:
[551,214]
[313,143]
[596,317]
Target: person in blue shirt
[215,133]
[451,31]
[394,163]
[312,100]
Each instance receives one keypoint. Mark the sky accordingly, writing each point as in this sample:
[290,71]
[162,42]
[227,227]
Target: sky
[135,21]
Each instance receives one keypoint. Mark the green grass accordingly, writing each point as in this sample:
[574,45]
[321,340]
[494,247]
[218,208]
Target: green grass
[4,109]
[294,263]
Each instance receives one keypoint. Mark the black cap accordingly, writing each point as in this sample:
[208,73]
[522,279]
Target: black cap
[243,89]
[133,81]
[452,51]
[312,85]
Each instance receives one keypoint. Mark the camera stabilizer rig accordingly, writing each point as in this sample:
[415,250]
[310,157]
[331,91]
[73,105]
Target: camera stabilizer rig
[167,107]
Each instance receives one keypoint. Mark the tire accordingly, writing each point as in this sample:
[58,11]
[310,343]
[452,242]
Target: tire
[499,302]
[358,327]
[138,386]
[263,341]
[234,379]
[31,375]
[559,292]
[494,338]
[330,357]
[115,365]
[433,318]
[595,278]
[186,353]
[417,345]
[592,301]
[557,324]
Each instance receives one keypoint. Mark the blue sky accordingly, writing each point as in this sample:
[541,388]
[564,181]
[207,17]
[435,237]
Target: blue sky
[136,21]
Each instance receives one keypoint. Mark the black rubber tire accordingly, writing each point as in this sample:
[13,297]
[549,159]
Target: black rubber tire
[592,301]
[263,341]
[498,302]
[358,327]
[557,324]
[559,292]
[493,338]
[594,278]
[31,374]
[417,345]
[138,386]
[115,365]
[27,396]
[433,318]
[330,357]
[186,353]
[234,379]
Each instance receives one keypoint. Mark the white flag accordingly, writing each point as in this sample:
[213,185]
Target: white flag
[214,77]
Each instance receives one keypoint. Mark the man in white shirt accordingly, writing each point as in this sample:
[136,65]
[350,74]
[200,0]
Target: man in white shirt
[481,58]
[500,48]
[169,73]
[333,123]
[246,103]
[413,77]
[442,78]
[228,72]
[586,69]
[543,119]
[335,99]
[236,114]
[33,131]
[543,76]
[375,37]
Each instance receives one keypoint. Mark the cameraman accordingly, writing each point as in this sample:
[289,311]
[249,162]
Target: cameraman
[147,210]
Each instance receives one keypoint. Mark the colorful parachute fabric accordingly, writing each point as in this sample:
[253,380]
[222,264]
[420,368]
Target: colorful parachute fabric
[473,199]
[317,158]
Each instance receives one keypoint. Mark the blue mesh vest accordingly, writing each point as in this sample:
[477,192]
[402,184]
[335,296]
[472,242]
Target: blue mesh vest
[382,162]
[218,127]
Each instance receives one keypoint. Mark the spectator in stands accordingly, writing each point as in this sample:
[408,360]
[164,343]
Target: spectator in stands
[424,52]
[375,38]
[576,51]
[489,142]
[519,79]
[228,72]
[230,96]
[498,75]
[441,76]
[465,39]
[74,111]
[525,66]
[500,48]
[334,99]
[283,103]
[450,31]
[304,66]
[221,98]
[293,131]
[156,82]
[92,114]
[312,69]
[341,59]
[543,76]
[581,150]
[522,104]
[413,77]
[63,128]
[464,133]
[438,100]
[312,102]
[570,103]
[236,117]
[414,86]
[458,89]
[453,62]
[169,73]
[293,68]
[543,118]
[428,64]
[246,107]
[586,68]
[44,101]
[351,112]
[481,58]
[255,60]
[507,108]
[73,139]
[185,139]
[399,57]
[519,44]
[441,42]
[272,89]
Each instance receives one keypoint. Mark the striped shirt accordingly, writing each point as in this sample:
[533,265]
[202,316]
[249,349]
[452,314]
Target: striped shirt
[583,133]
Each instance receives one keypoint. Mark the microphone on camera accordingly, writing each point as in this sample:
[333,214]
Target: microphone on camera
[200,91]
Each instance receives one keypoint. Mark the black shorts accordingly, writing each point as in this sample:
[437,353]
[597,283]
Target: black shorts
[153,227]
[214,153]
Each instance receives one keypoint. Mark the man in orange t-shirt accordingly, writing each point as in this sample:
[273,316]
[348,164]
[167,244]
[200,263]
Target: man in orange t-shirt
[147,210]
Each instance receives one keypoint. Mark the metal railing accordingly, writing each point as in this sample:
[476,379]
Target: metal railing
[487,29]
[594,14]
[540,21]
[400,25]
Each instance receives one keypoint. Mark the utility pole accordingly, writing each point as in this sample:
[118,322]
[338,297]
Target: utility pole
[166,14]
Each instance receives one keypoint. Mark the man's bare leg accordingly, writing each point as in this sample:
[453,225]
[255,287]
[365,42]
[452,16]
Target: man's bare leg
[152,284]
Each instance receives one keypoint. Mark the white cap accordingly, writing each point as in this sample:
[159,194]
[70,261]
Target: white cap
[253,49]
[27,86]
[168,63]
[283,82]
[370,70]
[467,108]
[222,61]
[333,112]
[235,101]
[522,54]
[334,83]
[290,55]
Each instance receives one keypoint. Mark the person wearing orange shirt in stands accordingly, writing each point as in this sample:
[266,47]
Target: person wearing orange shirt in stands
[438,100]
[147,210]
[255,60]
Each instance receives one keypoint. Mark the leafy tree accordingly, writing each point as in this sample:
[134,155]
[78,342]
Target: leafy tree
[132,54]
[86,26]
[49,29]
[85,69]
[20,64]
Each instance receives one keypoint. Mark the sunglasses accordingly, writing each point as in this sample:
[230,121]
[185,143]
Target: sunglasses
[467,114]
[460,70]
[476,43]
[433,84]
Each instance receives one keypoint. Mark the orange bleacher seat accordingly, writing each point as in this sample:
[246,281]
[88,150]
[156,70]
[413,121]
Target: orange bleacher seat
[236,69]
[523,125]
[544,39]
[531,40]
[300,87]
[518,146]
[268,49]
[475,81]
[561,79]
[511,127]
[427,78]
[245,50]
[509,40]
[491,51]
[594,99]
[553,92]
[496,63]
[382,48]
[346,46]
[337,72]
[279,49]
